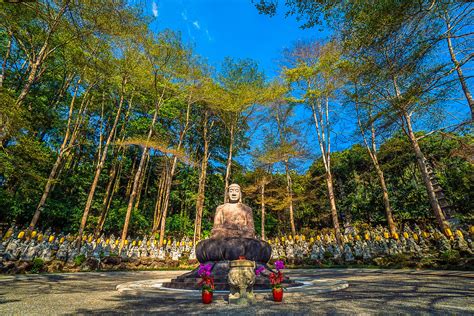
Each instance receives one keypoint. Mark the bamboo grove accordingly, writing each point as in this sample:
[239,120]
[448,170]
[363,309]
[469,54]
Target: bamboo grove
[108,126]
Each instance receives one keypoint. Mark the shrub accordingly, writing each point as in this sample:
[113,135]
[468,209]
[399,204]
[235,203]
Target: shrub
[328,255]
[37,266]
[451,256]
[79,260]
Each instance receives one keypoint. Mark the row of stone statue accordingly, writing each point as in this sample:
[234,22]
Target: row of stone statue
[369,246]
[364,246]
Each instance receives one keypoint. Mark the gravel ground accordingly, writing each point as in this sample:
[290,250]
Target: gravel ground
[369,292]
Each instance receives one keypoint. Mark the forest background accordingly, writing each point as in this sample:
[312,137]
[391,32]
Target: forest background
[109,126]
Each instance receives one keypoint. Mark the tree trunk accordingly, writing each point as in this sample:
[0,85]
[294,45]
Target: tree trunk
[332,204]
[229,164]
[324,140]
[142,180]
[171,174]
[386,201]
[202,182]
[372,150]
[262,207]
[114,175]
[164,211]
[137,177]
[159,200]
[420,159]
[128,191]
[289,192]
[147,181]
[4,64]
[457,66]
[99,167]
[47,188]
[29,82]
[54,170]
[107,200]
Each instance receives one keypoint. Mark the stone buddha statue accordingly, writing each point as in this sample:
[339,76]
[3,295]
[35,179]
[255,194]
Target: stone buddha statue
[233,234]
[233,219]
[232,238]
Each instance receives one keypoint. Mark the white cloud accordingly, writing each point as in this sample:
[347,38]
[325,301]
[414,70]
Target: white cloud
[209,37]
[196,25]
[154,8]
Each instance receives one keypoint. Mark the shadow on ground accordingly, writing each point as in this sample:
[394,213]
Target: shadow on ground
[369,292]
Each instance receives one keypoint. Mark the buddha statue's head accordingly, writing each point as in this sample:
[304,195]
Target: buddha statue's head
[234,193]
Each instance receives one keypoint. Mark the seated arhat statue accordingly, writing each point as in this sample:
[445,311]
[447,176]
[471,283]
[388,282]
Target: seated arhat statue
[233,219]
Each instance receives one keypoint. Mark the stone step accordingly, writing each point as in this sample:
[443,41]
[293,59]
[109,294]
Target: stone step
[218,286]
[221,281]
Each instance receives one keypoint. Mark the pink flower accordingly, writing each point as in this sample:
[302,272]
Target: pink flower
[204,270]
[259,270]
[279,265]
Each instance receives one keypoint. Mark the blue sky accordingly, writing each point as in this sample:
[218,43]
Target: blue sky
[220,28]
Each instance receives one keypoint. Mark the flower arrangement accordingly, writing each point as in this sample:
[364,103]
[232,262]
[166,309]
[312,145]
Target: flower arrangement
[207,281]
[277,278]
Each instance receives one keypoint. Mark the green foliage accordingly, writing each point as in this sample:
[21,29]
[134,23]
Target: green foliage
[358,193]
[450,256]
[37,266]
[79,260]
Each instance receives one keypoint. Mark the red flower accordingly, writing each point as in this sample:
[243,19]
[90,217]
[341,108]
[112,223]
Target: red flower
[276,279]
[207,283]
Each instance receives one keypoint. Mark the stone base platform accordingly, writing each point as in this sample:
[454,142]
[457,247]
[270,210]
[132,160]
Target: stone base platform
[190,280]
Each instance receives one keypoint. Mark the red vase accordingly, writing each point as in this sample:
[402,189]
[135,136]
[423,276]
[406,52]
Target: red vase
[278,295]
[206,297]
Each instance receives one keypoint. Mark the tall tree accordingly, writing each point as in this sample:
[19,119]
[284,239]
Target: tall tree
[316,77]
[406,88]
[242,83]
[70,136]
[282,140]
[128,64]
[366,122]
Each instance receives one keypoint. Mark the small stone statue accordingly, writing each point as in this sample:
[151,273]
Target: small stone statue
[161,254]
[348,256]
[97,253]
[62,251]
[30,252]
[72,254]
[175,253]
[317,252]
[290,252]
[192,254]
[12,250]
[46,254]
